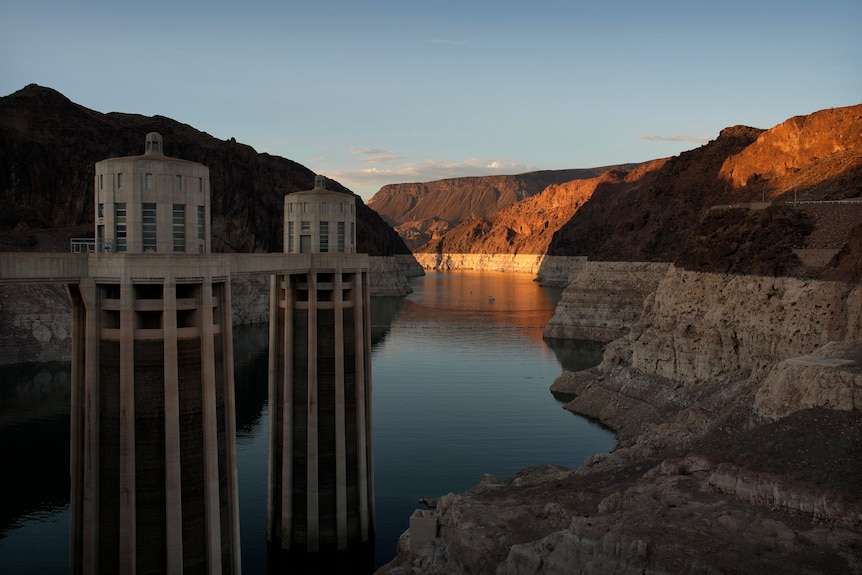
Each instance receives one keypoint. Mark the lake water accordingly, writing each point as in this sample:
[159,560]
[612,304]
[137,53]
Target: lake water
[461,379]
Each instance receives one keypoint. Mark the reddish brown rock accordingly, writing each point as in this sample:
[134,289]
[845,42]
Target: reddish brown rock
[423,212]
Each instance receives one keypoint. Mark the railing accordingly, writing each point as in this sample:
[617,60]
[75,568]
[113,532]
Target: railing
[83,245]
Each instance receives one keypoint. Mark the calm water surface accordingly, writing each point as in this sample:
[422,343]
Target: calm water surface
[460,375]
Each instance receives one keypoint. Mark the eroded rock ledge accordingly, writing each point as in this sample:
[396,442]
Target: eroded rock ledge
[736,401]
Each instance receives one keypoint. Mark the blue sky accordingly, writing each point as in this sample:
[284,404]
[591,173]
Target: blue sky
[377,92]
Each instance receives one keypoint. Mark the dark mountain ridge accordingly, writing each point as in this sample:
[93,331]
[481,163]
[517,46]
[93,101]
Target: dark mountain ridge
[49,146]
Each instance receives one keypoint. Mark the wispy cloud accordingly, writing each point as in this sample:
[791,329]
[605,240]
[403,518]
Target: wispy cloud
[374,155]
[675,137]
[449,41]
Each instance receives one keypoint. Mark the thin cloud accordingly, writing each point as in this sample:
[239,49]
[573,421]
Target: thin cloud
[374,177]
[449,41]
[675,137]
[371,155]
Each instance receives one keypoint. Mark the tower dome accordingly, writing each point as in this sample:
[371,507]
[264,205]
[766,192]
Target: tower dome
[319,221]
[152,203]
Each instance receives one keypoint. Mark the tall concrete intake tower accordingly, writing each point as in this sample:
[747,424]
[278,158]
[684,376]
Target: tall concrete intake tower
[321,481]
[154,485]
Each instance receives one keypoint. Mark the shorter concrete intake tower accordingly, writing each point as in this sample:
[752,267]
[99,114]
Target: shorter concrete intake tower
[319,221]
[321,480]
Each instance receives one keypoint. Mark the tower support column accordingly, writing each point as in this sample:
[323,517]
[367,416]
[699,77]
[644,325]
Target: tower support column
[173,464]
[210,430]
[127,535]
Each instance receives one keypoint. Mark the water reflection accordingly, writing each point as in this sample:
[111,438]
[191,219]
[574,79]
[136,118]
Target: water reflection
[477,299]
[461,388]
[35,401]
[383,312]
[250,363]
[576,355]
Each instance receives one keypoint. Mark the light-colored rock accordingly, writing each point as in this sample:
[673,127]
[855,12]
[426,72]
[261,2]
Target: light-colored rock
[390,276]
[702,326]
[604,300]
[519,263]
[831,378]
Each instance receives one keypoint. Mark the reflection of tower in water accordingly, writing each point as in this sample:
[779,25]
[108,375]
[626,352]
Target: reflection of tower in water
[153,467]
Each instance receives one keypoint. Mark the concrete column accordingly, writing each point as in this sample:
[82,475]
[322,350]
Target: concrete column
[312,498]
[272,385]
[363,278]
[210,431]
[286,429]
[89,411]
[127,539]
[363,390]
[340,434]
[230,427]
[173,484]
[77,430]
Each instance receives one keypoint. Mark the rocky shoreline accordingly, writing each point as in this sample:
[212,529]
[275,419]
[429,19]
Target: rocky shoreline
[737,402]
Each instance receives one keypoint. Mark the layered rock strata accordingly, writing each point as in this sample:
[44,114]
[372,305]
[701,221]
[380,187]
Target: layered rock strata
[736,405]
[604,300]
[550,271]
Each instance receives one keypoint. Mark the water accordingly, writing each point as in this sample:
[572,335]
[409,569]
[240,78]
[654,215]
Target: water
[460,389]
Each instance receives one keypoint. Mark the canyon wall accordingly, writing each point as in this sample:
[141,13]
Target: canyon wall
[604,300]
[551,271]
[736,401]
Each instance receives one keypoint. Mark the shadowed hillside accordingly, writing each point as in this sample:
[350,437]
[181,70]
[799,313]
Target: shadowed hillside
[49,146]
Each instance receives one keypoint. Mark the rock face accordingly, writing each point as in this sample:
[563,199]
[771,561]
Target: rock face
[736,405]
[604,300]
[521,263]
[422,212]
[526,227]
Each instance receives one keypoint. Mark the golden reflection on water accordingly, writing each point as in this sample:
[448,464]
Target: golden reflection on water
[492,298]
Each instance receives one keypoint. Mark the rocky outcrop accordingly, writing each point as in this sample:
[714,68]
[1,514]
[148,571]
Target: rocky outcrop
[823,146]
[736,405]
[390,276]
[830,377]
[604,300]
[705,326]
[35,324]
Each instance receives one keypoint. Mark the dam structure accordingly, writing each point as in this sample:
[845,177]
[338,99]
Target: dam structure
[152,435]
[320,494]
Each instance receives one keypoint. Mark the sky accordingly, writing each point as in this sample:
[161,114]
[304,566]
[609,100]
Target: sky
[389,91]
